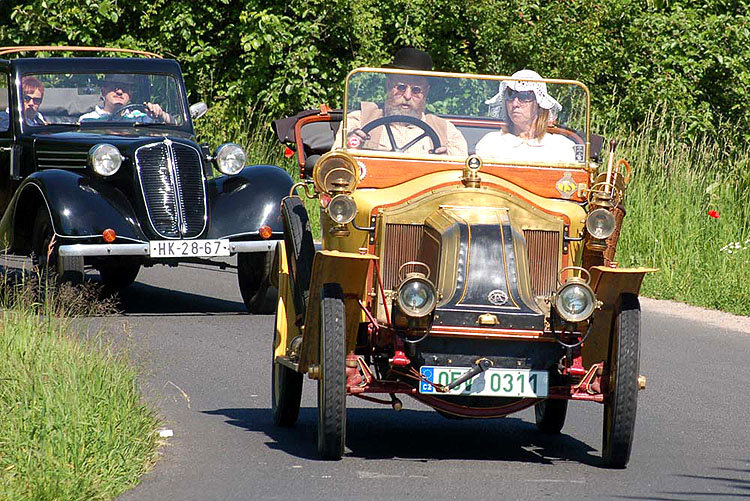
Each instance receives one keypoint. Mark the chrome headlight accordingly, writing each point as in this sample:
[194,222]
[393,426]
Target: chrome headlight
[230,158]
[575,301]
[342,209]
[105,159]
[600,223]
[336,172]
[417,296]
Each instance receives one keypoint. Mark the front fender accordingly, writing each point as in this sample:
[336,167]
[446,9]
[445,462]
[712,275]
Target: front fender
[79,206]
[609,284]
[242,203]
[348,270]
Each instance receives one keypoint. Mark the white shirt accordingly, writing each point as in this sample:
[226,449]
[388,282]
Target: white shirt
[100,114]
[507,146]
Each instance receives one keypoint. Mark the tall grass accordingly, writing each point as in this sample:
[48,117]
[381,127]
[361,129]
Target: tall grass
[702,260]
[675,190]
[73,424]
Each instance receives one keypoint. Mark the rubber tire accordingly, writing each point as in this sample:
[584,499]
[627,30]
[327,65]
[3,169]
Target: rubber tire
[332,380]
[622,399]
[253,276]
[286,391]
[300,249]
[550,415]
[119,272]
[69,269]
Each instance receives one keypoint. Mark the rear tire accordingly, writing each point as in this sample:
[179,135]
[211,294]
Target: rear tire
[332,381]
[622,395]
[45,255]
[253,276]
[550,415]
[286,392]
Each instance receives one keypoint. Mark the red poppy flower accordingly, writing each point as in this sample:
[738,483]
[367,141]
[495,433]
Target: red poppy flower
[713,214]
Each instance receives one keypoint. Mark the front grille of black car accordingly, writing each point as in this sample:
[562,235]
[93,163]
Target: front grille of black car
[173,188]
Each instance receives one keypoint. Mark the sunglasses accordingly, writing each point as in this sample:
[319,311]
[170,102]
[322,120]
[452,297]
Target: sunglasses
[524,96]
[416,90]
[37,100]
[123,88]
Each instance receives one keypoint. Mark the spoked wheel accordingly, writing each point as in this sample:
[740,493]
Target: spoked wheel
[119,272]
[622,383]
[332,381]
[286,392]
[44,252]
[253,275]
[550,415]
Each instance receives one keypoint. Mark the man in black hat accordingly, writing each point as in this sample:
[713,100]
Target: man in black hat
[406,95]
[117,89]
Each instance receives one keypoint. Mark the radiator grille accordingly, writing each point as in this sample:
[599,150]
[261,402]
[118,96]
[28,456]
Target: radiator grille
[402,242]
[53,159]
[543,247]
[173,188]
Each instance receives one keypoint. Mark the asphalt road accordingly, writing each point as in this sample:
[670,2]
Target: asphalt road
[206,367]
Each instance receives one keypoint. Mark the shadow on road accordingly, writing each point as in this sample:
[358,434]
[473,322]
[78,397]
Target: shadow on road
[147,299]
[416,435]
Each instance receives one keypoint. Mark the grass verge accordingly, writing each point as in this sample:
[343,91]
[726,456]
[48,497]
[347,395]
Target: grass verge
[73,425]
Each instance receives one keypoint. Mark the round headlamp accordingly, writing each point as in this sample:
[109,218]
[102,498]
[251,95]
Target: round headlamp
[417,296]
[230,158]
[105,159]
[575,301]
[336,172]
[342,209]
[600,223]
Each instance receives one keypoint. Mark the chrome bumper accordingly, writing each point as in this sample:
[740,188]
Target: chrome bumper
[143,249]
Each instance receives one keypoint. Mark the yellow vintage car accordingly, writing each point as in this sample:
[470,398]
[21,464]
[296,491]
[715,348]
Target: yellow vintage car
[469,224]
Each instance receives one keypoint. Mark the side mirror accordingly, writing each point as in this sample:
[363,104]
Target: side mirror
[197,110]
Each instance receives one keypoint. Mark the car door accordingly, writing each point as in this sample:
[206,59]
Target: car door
[6,137]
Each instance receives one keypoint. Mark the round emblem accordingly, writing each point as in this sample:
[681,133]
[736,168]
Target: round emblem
[354,141]
[497,297]
[473,162]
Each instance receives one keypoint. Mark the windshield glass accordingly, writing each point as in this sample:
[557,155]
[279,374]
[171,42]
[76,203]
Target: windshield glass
[114,98]
[507,119]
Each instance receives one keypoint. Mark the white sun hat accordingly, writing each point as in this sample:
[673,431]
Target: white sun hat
[543,99]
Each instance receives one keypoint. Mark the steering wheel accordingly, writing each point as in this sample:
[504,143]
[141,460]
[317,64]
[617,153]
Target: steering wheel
[137,106]
[386,122]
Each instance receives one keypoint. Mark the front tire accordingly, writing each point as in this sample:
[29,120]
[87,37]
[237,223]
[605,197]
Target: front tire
[119,272]
[253,276]
[622,398]
[332,381]
[45,254]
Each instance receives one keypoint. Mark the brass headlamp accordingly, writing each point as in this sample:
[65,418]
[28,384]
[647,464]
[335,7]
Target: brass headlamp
[337,174]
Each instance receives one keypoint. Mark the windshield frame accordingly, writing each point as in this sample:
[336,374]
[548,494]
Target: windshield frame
[432,157]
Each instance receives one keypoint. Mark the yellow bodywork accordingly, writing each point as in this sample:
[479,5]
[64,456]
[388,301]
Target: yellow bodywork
[609,284]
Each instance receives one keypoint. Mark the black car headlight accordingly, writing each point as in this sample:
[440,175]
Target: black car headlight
[105,159]
[342,209]
[575,301]
[416,296]
[230,158]
[600,223]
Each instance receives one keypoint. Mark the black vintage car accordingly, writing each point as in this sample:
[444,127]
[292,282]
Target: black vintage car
[101,168]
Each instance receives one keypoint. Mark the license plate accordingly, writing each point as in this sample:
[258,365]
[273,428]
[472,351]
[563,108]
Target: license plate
[491,383]
[189,248]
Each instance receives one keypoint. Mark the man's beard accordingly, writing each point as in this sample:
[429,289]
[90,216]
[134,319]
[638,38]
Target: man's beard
[395,109]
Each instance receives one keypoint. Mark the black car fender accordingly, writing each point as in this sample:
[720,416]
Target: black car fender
[80,208]
[242,203]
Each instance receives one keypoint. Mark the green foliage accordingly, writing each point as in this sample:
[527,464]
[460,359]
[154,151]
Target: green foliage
[289,55]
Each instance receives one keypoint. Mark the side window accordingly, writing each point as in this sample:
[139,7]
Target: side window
[4,103]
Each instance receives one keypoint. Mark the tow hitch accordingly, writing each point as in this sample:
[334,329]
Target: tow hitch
[479,366]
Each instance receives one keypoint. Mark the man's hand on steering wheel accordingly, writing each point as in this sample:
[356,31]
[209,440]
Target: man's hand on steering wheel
[156,111]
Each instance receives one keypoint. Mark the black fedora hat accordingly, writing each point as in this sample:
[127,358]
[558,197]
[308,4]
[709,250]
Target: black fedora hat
[409,58]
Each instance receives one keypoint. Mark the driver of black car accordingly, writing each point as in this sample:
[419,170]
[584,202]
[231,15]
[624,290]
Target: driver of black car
[406,96]
[114,105]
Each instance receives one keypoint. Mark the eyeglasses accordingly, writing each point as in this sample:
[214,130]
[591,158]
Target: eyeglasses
[416,90]
[37,100]
[524,96]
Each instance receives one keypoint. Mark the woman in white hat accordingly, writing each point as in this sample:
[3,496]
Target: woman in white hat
[527,110]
